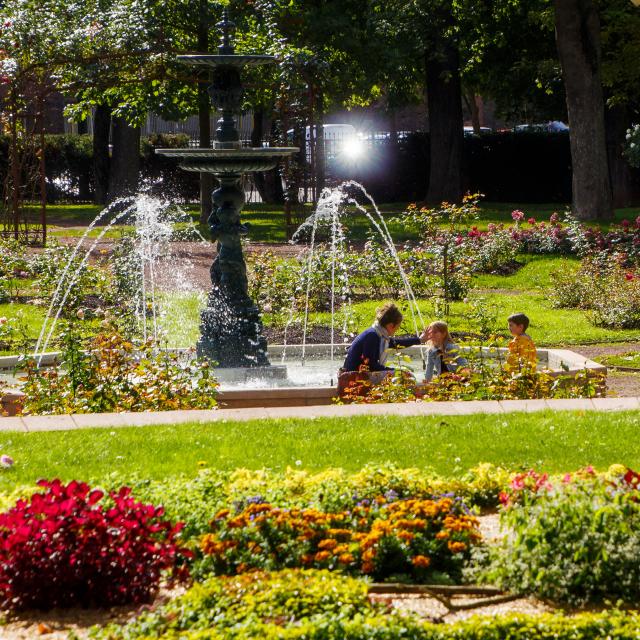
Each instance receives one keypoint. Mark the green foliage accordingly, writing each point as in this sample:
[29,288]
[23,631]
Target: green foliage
[319,605]
[577,541]
[113,374]
[486,378]
[607,290]
[286,604]
[632,150]
[194,501]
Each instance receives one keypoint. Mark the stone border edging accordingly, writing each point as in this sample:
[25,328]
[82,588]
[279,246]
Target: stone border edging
[32,424]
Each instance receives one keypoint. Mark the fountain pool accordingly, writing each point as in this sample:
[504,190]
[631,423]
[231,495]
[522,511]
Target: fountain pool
[313,381]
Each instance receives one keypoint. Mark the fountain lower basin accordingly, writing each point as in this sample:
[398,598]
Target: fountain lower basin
[289,382]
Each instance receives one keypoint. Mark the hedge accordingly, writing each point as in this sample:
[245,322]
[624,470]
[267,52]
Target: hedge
[69,167]
[507,167]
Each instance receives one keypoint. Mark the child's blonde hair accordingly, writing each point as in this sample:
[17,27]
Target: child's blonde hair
[440,327]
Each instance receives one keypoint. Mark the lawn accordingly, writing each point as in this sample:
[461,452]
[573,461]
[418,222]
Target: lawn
[553,441]
[267,221]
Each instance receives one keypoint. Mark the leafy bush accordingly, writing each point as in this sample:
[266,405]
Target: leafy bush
[607,290]
[484,379]
[292,603]
[424,539]
[70,546]
[574,541]
[114,374]
[194,500]
[632,149]
[319,605]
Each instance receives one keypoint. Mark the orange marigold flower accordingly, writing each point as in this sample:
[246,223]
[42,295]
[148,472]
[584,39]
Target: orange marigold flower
[307,558]
[345,558]
[421,561]
[327,543]
[407,536]
[442,535]
[456,547]
[337,533]
[242,567]
[222,514]
[321,556]
[368,555]
[368,567]
[341,548]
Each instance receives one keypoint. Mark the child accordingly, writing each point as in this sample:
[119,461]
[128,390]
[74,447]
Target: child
[443,355]
[522,351]
[371,347]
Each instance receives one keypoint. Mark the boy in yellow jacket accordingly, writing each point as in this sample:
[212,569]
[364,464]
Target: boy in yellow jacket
[522,351]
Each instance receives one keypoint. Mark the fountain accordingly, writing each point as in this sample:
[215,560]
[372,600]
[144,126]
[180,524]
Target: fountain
[231,328]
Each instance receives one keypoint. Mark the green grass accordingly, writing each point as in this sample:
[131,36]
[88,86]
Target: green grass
[553,441]
[548,327]
[267,221]
[535,274]
[627,359]
[30,317]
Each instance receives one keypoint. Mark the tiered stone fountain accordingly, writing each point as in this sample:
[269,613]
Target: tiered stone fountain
[231,328]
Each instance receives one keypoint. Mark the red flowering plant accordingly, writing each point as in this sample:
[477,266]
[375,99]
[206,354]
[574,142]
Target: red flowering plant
[72,545]
[528,482]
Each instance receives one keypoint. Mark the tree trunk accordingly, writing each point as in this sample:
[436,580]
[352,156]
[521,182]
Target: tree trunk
[257,134]
[125,159]
[101,162]
[578,42]
[268,183]
[623,186]
[444,102]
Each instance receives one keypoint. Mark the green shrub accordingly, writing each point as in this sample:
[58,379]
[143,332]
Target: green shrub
[318,605]
[604,287]
[575,541]
[114,374]
[242,605]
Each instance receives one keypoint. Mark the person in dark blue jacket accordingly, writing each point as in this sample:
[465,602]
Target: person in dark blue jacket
[371,347]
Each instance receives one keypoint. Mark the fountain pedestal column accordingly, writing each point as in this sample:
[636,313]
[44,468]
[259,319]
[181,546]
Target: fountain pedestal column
[231,328]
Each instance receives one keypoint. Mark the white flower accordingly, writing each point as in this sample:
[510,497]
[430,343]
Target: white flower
[6,462]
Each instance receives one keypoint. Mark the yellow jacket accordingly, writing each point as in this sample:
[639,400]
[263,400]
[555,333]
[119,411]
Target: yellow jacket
[522,352]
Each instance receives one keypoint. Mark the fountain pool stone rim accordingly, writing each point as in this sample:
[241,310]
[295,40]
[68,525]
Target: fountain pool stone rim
[559,363]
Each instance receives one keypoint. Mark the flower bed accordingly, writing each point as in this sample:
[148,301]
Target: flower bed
[416,538]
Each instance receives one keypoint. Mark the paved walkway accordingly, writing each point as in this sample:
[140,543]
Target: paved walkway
[112,420]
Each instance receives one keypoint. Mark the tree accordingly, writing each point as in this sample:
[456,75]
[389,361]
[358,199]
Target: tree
[578,40]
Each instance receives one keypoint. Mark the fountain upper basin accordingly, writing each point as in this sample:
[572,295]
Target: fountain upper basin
[229,161]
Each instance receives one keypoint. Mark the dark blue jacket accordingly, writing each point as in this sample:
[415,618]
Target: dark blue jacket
[366,347]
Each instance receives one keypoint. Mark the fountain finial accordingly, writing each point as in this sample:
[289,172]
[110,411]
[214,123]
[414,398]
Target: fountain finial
[226,26]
